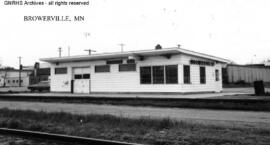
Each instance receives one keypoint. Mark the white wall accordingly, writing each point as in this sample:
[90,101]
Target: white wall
[211,83]
[115,81]
[12,78]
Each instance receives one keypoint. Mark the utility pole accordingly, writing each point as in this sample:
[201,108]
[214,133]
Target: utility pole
[68,50]
[60,51]
[122,46]
[86,34]
[89,51]
[20,69]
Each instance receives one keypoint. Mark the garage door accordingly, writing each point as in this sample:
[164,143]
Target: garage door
[81,78]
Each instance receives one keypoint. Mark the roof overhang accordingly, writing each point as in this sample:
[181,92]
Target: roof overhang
[106,56]
[135,54]
[202,55]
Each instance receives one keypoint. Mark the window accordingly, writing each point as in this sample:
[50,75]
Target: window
[8,81]
[82,76]
[102,68]
[62,70]
[146,75]
[77,76]
[171,72]
[202,75]
[43,71]
[127,67]
[158,74]
[217,74]
[17,81]
[21,81]
[116,61]
[13,81]
[86,76]
[186,74]
[131,61]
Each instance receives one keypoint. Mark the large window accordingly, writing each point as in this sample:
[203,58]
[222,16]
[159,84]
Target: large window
[158,74]
[186,74]
[202,75]
[62,70]
[217,74]
[146,75]
[102,68]
[171,72]
[127,67]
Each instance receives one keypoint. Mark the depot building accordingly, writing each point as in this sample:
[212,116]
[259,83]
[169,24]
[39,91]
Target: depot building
[169,70]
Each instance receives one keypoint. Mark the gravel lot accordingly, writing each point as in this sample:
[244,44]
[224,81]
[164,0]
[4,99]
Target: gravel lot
[259,118]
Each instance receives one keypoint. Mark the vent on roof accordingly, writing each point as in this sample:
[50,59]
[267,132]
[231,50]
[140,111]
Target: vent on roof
[158,47]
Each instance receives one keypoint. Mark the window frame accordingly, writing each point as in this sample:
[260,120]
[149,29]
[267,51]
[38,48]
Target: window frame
[76,78]
[166,74]
[106,66]
[186,77]
[86,74]
[217,75]
[158,79]
[202,74]
[141,78]
[60,70]
[127,69]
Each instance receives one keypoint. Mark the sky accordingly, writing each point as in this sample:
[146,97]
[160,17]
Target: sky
[238,30]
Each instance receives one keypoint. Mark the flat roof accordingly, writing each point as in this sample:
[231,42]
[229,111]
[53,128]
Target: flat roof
[114,55]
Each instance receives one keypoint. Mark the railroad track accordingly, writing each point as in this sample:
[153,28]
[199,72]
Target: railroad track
[60,138]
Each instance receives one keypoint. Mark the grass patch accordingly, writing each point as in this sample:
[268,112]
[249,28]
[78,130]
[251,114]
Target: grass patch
[142,130]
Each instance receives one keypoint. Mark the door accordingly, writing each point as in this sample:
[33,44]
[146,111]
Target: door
[81,78]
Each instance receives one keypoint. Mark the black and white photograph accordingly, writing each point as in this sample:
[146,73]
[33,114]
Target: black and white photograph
[134,72]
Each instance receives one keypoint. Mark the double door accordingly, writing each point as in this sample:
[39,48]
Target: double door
[81,77]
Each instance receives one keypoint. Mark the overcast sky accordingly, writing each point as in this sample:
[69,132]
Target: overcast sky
[238,30]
